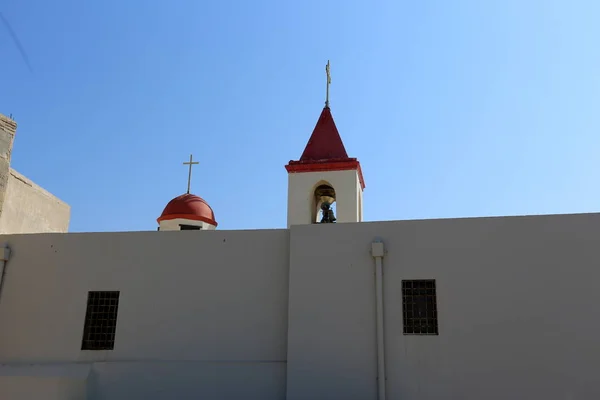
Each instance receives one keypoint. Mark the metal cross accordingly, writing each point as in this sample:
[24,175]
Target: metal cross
[328,83]
[190,163]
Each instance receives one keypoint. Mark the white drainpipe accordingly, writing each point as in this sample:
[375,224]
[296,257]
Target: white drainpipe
[378,251]
[4,256]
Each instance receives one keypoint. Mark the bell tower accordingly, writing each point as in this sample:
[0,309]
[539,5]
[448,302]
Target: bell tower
[325,185]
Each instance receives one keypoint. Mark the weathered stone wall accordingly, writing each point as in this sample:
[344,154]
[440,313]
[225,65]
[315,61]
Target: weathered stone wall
[8,128]
[24,206]
[28,208]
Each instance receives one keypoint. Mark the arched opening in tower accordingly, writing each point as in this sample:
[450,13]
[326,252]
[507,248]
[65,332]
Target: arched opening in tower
[324,212]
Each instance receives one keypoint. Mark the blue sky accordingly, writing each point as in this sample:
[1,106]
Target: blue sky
[454,108]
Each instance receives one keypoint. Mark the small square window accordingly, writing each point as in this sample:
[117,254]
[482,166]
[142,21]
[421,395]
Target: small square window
[189,227]
[100,321]
[419,307]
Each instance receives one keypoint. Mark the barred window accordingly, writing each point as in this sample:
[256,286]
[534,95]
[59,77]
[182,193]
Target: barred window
[419,306]
[100,321]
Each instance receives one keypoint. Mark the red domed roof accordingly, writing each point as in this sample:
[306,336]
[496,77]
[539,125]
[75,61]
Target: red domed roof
[188,206]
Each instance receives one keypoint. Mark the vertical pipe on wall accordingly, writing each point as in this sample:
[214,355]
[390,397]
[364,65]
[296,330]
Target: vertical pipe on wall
[377,251]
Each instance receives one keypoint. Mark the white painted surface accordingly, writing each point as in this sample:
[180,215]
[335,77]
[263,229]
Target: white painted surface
[517,300]
[174,224]
[28,208]
[44,382]
[42,388]
[301,200]
[188,380]
[202,314]
[206,314]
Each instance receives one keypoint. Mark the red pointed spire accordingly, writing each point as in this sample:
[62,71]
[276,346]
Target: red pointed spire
[325,150]
[325,142]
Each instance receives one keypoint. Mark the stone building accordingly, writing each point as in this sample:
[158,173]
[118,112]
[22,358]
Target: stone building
[24,206]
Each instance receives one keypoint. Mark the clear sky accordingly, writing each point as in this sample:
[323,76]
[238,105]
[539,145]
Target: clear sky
[454,108]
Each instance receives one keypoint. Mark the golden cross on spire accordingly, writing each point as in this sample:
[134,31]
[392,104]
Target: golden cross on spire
[328,83]
[190,163]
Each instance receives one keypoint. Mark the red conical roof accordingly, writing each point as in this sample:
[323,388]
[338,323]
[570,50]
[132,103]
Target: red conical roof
[325,151]
[325,142]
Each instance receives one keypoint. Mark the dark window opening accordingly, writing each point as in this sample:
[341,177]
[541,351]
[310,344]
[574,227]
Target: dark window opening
[419,307]
[190,227]
[100,321]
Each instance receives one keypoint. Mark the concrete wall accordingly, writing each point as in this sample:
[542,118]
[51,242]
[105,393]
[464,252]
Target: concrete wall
[517,303]
[24,206]
[28,208]
[202,314]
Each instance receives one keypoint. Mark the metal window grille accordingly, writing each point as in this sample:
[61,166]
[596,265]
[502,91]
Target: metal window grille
[419,306]
[100,321]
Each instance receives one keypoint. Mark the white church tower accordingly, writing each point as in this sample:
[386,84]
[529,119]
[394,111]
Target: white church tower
[325,178]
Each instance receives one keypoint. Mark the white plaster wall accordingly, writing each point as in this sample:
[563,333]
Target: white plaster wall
[44,382]
[301,188]
[202,314]
[517,303]
[205,314]
[173,224]
[28,208]
[187,380]
[41,388]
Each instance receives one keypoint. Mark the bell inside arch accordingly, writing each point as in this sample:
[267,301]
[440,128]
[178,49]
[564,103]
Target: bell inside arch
[325,197]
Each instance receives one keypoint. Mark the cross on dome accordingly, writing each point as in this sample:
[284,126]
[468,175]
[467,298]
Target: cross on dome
[190,163]
[187,211]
